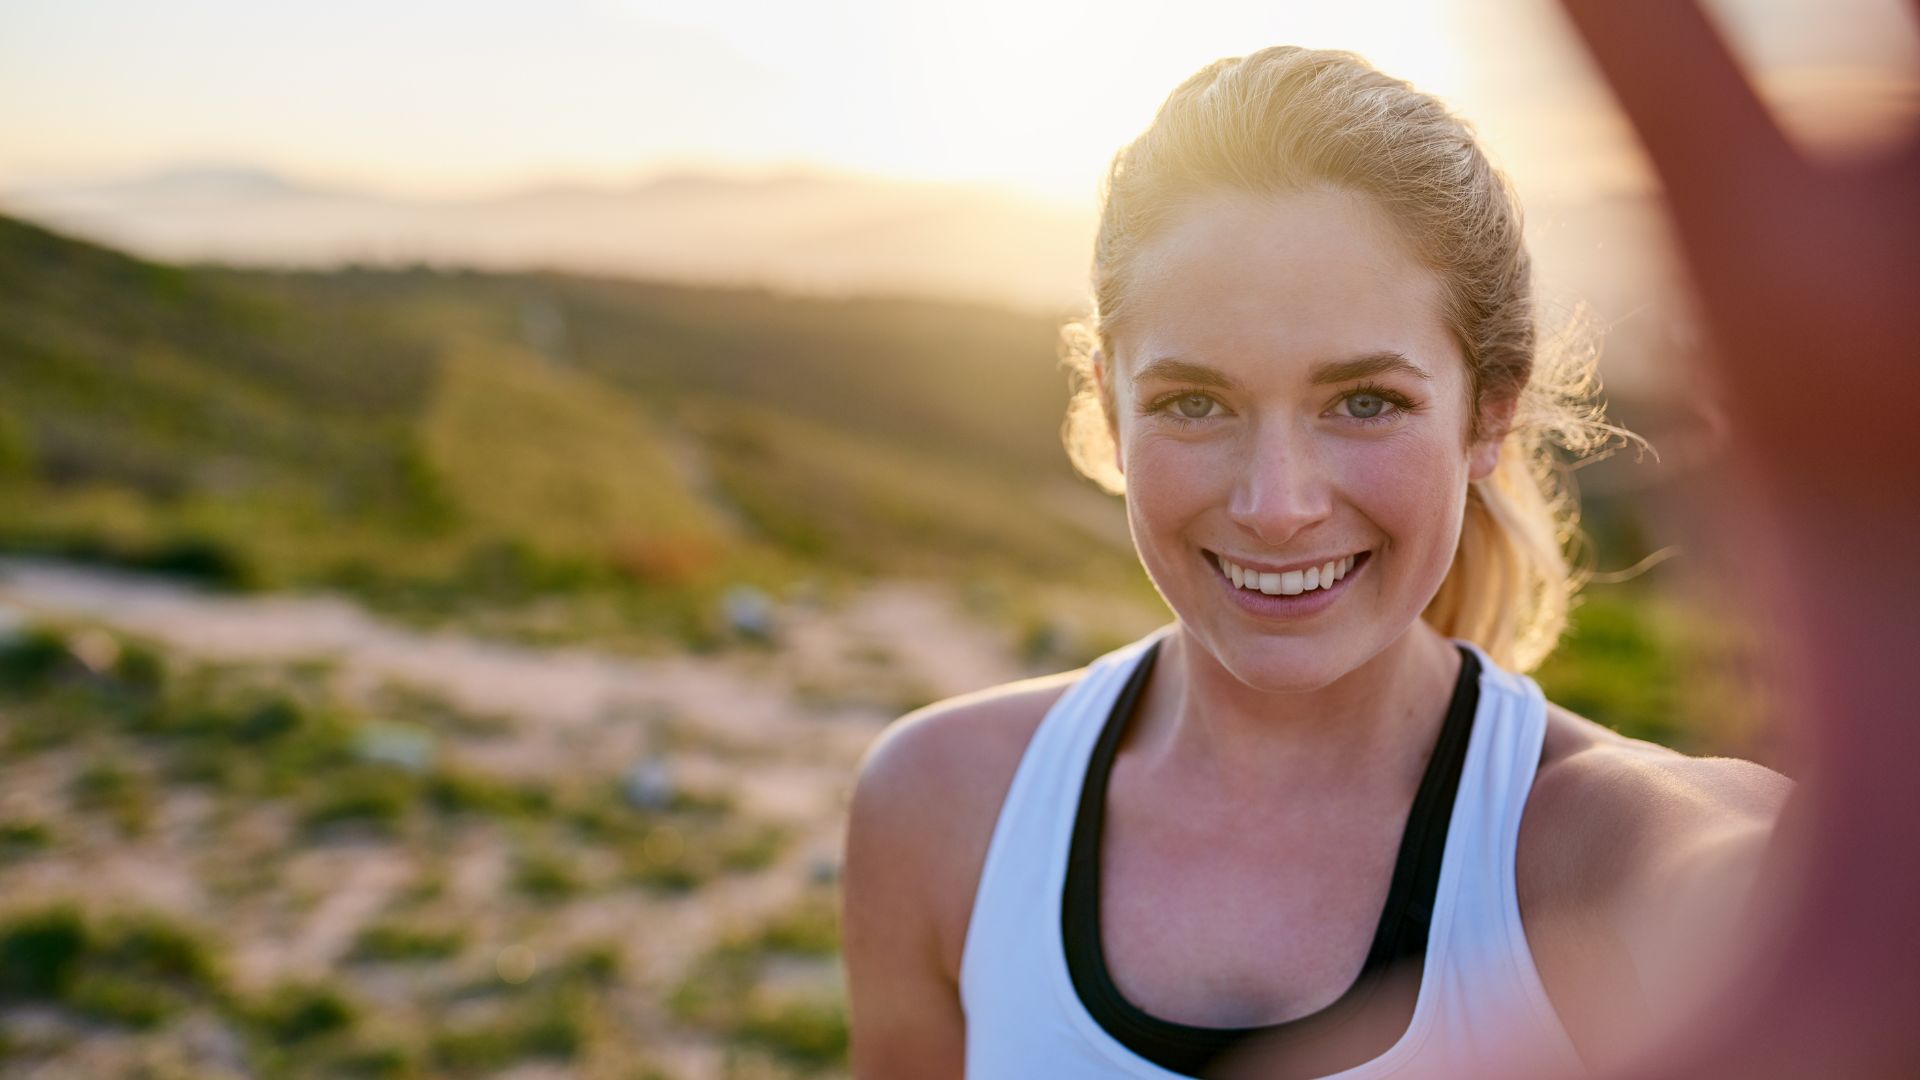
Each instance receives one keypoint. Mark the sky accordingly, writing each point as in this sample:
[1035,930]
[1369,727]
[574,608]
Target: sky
[438,98]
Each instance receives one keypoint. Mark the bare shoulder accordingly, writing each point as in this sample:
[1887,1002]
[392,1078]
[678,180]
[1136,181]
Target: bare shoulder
[926,799]
[1636,865]
[1605,806]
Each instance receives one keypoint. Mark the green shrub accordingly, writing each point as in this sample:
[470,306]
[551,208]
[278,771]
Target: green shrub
[140,667]
[137,1003]
[133,969]
[811,1031]
[296,1012]
[606,818]
[545,876]
[723,991]
[249,718]
[548,1027]
[369,796]
[109,788]
[152,946]
[595,965]
[19,839]
[40,951]
[28,663]
[403,941]
[208,560]
[752,848]
[374,1061]
[455,791]
[810,928]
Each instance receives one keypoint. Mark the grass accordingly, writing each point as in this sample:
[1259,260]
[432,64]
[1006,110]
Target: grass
[532,449]
[457,791]
[547,1027]
[546,876]
[726,991]
[407,942]
[110,788]
[372,797]
[140,970]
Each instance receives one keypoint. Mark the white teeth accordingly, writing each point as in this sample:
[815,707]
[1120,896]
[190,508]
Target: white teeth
[1289,582]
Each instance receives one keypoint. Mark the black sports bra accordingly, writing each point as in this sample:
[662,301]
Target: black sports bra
[1399,942]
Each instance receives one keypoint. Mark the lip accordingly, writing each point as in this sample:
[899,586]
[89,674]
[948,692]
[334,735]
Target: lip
[1282,568]
[1299,605]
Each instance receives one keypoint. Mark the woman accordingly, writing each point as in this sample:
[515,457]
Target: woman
[1319,825]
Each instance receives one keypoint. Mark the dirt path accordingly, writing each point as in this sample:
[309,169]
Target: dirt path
[779,731]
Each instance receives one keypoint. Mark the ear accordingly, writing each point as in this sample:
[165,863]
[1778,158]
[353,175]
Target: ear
[1496,419]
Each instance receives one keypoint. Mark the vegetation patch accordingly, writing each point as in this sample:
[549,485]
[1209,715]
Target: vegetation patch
[133,969]
[547,1026]
[733,990]
[407,941]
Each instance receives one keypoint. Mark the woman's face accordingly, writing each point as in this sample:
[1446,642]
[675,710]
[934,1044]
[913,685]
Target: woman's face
[1288,396]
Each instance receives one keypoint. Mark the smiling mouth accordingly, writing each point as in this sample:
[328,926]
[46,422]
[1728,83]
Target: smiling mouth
[1308,579]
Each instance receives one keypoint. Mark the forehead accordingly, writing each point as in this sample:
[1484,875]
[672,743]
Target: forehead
[1286,280]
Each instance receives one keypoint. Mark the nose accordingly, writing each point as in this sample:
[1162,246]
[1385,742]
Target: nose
[1282,487]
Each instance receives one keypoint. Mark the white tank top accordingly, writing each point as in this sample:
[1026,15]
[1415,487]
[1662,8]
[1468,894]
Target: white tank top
[1480,997]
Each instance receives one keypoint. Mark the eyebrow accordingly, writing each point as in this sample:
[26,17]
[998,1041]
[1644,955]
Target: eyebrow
[1173,369]
[1360,367]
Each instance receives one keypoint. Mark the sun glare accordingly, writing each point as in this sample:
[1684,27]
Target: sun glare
[1036,96]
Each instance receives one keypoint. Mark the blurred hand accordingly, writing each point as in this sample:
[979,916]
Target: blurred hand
[1809,282]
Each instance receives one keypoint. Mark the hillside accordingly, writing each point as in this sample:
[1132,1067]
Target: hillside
[465,444]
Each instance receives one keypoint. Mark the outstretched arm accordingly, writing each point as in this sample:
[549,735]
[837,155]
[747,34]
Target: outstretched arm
[1807,275]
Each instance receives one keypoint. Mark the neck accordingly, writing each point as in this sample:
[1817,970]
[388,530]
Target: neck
[1375,724]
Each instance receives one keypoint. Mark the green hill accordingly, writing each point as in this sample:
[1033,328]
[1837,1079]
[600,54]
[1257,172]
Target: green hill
[458,444]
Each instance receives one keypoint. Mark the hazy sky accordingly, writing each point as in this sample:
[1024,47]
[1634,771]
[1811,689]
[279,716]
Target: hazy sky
[437,96]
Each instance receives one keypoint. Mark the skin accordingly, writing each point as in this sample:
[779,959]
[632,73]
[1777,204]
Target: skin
[1291,741]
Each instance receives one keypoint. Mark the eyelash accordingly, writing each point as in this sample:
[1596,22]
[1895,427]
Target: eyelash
[1400,402]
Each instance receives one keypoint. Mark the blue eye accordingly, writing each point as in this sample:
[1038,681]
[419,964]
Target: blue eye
[1193,406]
[1365,406]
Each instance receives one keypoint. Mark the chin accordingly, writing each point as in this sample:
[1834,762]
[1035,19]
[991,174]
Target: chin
[1284,664]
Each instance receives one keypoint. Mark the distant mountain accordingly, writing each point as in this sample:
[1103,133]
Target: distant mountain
[808,233]
[800,232]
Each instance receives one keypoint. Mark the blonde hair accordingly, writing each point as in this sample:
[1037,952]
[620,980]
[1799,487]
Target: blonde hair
[1286,119]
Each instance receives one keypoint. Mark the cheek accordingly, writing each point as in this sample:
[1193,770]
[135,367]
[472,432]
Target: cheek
[1169,481]
[1412,489]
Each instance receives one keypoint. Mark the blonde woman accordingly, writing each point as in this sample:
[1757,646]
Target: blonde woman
[1322,824]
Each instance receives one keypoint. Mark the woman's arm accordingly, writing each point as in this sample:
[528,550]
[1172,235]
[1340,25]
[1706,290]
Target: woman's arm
[905,1008]
[924,809]
[1806,271]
